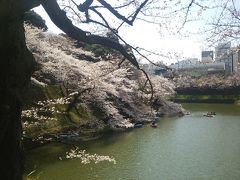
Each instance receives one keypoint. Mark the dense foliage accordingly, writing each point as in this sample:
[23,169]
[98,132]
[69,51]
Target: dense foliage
[32,18]
[112,94]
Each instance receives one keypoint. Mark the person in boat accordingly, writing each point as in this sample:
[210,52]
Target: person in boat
[138,125]
[187,113]
[208,115]
[153,124]
[211,113]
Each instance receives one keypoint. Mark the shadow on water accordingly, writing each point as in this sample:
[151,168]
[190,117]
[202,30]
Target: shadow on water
[51,152]
[190,147]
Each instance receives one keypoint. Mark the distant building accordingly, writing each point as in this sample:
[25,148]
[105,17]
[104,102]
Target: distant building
[148,68]
[227,60]
[186,63]
[207,56]
[236,60]
[238,64]
[192,61]
[193,67]
[153,70]
[224,53]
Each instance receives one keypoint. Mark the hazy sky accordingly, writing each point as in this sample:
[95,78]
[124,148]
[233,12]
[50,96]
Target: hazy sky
[147,36]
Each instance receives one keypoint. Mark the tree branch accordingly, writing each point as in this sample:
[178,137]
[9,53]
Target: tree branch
[117,7]
[61,20]
[29,4]
[150,83]
[186,16]
[84,6]
[118,15]
[101,16]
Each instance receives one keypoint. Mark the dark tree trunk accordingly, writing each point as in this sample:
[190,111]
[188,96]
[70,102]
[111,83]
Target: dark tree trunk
[16,67]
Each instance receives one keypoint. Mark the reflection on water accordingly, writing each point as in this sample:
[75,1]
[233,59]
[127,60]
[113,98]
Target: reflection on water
[191,147]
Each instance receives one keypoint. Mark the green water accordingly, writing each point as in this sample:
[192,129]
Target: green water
[191,147]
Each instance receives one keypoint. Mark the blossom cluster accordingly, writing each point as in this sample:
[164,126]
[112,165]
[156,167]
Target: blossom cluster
[43,113]
[57,101]
[87,158]
[107,80]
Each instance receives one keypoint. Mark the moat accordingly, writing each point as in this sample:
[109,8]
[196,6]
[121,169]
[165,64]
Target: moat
[190,147]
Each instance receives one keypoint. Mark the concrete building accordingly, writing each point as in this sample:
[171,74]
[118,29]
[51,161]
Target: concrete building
[202,69]
[207,56]
[224,53]
[193,67]
[227,61]
[186,63]
[238,57]
[153,70]
[236,60]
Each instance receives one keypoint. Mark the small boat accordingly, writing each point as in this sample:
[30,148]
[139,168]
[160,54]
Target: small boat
[187,113]
[208,115]
[67,136]
[153,124]
[211,113]
[138,125]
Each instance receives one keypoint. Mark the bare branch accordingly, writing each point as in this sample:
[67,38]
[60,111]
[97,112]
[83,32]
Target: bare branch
[118,15]
[234,12]
[60,19]
[186,16]
[101,16]
[119,64]
[145,57]
[74,2]
[116,7]
[150,83]
[69,7]
[138,10]
[85,6]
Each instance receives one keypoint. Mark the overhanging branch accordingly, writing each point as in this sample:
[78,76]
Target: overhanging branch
[84,6]
[29,4]
[118,15]
[59,18]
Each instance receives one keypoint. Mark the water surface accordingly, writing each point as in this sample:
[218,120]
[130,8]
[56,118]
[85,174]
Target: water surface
[190,147]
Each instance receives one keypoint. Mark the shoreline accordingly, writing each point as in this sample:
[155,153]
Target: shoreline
[222,99]
[230,95]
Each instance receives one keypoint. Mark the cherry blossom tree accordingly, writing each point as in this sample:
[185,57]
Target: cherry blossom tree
[17,66]
[102,81]
[17,63]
